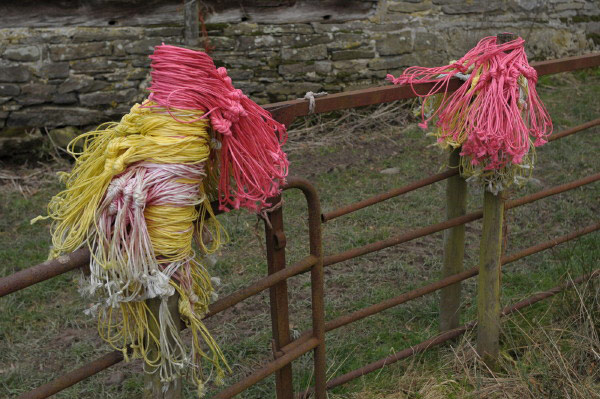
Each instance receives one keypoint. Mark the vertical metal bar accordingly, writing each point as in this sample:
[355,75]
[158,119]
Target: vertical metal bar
[154,388]
[488,283]
[454,246]
[190,15]
[318,294]
[278,294]
[317,283]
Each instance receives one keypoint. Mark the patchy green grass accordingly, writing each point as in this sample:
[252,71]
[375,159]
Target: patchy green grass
[43,331]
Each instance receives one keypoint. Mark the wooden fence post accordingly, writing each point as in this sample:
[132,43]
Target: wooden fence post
[454,246]
[190,16]
[488,282]
[153,387]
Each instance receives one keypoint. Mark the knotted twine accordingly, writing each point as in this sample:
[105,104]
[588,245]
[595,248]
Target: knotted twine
[495,116]
[139,194]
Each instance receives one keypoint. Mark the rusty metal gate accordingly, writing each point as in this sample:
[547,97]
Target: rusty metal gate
[285,350]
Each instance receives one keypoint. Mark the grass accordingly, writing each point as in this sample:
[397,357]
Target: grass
[43,331]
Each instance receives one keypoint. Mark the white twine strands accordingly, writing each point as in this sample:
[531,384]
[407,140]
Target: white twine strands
[310,96]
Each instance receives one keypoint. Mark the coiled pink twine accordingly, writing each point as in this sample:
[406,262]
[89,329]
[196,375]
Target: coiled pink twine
[488,107]
[252,163]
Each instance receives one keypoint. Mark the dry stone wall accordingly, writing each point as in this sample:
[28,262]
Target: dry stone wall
[59,76]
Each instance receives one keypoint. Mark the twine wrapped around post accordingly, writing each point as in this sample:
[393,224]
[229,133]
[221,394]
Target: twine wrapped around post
[139,194]
[495,118]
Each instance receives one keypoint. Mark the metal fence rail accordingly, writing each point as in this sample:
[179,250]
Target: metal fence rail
[285,350]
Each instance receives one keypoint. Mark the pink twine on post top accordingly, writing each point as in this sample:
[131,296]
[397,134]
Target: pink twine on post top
[252,164]
[490,107]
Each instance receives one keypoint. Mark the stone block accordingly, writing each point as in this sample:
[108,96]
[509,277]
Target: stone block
[96,65]
[394,44]
[95,85]
[311,53]
[250,87]
[385,63]
[139,61]
[297,41]
[222,43]
[244,29]
[296,69]
[55,70]
[113,98]
[240,74]
[35,93]
[66,98]
[346,27]
[426,41]
[144,46]
[298,89]
[471,7]
[246,43]
[63,136]
[266,74]
[567,5]
[163,31]
[22,53]
[323,67]
[350,65]
[10,106]
[7,89]
[351,54]
[125,84]
[75,83]
[68,52]
[23,146]
[14,74]
[408,7]
[120,75]
[52,116]
[348,41]
[99,34]
[287,29]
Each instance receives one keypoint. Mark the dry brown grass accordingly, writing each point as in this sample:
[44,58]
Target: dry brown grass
[342,127]
[552,352]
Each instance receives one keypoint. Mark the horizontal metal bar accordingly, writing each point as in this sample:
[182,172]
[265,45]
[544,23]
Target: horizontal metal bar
[399,239]
[552,191]
[268,369]
[567,64]
[286,111]
[430,180]
[73,377]
[549,244]
[446,336]
[387,195]
[80,258]
[261,285]
[445,282]
[44,271]
[115,357]
[434,228]
[574,130]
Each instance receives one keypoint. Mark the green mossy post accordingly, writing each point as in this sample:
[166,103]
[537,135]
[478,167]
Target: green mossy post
[488,283]
[153,387]
[454,246]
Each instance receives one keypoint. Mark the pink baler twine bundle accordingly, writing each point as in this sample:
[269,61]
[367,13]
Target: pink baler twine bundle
[495,115]
[252,164]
